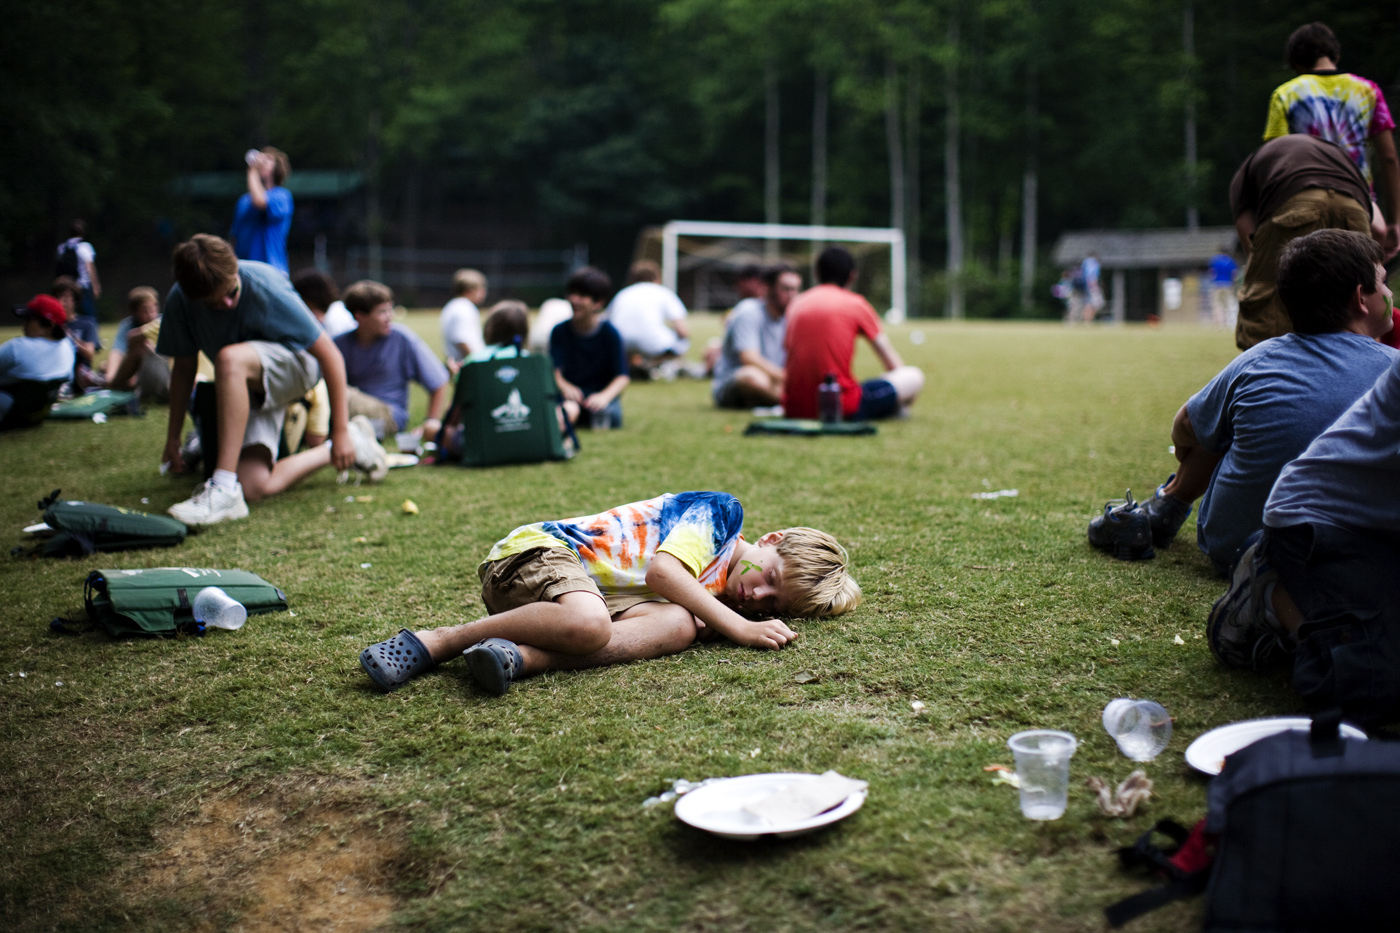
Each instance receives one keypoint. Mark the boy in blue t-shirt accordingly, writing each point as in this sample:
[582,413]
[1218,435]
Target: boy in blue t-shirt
[267,351]
[1234,436]
[639,581]
[263,217]
[382,357]
[590,366]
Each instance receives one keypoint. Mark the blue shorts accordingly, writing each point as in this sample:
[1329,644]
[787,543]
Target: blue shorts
[878,399]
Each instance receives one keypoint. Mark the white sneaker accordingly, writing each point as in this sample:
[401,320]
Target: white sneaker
[370,457]
[211,504]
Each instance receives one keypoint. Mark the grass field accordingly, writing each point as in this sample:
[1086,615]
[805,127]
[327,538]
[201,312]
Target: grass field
[255,780]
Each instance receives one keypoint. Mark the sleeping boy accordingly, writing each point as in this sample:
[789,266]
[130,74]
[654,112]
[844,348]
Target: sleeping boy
[639,581]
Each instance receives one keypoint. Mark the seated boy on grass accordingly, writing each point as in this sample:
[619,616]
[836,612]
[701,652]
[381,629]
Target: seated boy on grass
[639,581]
[590,367]
[1234,436]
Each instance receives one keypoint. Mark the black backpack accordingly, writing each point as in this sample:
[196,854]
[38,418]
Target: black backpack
[1307,837]
[83,528]
[67,263]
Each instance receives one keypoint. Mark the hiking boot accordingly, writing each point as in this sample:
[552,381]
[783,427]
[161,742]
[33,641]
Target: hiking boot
[1239,631]
[370,457]
[1123,530]
[1166,513]
[494,663]
[211,504]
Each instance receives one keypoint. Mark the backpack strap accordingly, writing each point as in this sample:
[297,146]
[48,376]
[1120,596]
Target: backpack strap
[1145,852]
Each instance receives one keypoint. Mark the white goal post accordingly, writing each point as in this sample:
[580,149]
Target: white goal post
[673,231]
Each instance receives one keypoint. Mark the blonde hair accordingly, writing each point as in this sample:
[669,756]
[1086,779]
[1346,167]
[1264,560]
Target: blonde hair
[139,296]
[643,270]
[465,281]
[816,574]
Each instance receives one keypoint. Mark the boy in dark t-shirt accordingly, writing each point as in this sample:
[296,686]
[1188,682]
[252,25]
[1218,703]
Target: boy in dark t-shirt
[590,367]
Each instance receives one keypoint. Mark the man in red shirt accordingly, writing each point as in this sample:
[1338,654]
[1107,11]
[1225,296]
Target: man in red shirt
[821,339]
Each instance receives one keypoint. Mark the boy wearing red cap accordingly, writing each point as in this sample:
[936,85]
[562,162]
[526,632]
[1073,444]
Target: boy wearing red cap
[44,353]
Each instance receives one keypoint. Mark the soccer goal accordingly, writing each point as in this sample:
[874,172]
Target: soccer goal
[708,254]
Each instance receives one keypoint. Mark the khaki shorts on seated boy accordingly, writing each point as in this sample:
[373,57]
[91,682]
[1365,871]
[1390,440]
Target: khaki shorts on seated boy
[639,581]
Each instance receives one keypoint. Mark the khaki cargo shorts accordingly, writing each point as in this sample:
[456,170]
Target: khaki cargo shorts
[543,574]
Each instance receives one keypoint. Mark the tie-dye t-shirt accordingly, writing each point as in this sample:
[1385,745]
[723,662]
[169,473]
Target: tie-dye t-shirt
[1339,107]
[700,529]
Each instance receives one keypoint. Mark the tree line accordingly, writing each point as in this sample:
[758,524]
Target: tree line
[983,129]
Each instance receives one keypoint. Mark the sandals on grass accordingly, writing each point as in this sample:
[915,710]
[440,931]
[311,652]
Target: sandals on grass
[494,663]
[395,661]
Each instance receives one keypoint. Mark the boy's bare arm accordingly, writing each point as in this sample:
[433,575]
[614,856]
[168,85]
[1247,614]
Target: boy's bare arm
[333,371]
[600,400]
[566,388]
[670,579]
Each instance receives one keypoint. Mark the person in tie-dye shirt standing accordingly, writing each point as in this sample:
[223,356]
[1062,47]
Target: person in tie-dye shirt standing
[1342,108]
[639,581]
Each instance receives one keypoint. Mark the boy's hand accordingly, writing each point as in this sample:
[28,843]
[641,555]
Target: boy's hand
[767,633]
[342,449]
[596,402]
[172,456]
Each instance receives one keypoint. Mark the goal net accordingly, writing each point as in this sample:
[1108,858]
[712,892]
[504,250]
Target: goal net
[700,260]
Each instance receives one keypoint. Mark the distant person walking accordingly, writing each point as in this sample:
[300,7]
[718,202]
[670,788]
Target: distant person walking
[78,261]
[1342,108]
[1222,290]
[263,217]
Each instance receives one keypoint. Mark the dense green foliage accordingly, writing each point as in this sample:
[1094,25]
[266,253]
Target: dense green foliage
[548,123]
[130,795]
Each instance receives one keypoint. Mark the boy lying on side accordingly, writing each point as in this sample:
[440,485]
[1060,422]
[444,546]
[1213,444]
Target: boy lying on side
[639,581]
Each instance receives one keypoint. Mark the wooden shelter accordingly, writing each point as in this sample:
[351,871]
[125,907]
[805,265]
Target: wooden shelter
[1138,263]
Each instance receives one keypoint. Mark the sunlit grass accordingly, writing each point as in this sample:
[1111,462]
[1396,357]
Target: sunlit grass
[525,812]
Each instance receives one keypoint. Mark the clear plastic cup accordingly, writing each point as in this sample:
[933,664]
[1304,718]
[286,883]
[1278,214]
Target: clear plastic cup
[1142,728]
[408,442]
[212,606]
[1042,769]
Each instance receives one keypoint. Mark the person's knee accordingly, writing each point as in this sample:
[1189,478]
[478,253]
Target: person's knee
[679,627]
[588,627]
[237,360]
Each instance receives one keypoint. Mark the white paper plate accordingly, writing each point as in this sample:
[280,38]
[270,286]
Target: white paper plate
[37,529]
[719,807]
[1208,752]
[397,460]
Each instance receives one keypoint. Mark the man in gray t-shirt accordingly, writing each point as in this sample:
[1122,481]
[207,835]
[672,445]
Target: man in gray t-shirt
[267,351]
[1233,436]
[1321,584]
[750,369]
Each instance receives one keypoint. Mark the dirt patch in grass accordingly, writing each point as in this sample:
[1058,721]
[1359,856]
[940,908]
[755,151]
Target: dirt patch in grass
[309,857]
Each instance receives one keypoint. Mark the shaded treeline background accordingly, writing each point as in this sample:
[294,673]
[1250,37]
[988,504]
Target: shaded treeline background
[543,123]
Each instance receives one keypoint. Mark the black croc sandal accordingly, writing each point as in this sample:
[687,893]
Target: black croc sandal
[494,663]
[395,661]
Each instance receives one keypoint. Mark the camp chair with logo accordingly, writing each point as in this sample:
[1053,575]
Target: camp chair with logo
[504,410]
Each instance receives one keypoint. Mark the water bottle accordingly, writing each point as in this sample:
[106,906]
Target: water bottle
[1141,728]
[829,400]
[212,606]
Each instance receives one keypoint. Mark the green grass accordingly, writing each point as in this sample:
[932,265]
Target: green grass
[167,781]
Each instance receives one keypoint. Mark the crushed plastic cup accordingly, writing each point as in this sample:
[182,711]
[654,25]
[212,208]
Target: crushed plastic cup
[1142,728]
[1042,768]
[212,606]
